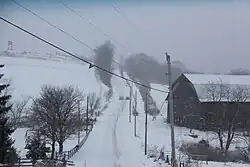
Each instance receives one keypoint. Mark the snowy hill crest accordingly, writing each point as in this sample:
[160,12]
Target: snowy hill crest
[57,56]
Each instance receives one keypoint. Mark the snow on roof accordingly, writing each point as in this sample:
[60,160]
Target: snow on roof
[228,79]
[201,83]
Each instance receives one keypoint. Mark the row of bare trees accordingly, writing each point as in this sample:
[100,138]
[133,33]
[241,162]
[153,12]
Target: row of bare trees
[228,104]
[17,112]
[55,115]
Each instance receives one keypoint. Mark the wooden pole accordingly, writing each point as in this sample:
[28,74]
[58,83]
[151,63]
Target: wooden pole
[146,125]
[87,126]
[79,118]
[135,113]
[130,102]
[171,111]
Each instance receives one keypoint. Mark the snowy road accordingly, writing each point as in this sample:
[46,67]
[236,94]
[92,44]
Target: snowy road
[131,149]
[112,142]
[101,148]
[116,150]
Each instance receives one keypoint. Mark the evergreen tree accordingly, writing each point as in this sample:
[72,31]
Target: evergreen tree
[36,148]
[8,153]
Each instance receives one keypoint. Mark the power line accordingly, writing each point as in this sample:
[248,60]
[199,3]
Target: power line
[54,26]
[162,104]
[91,23]
[66,33]
[118,10]
[79,58]
[97,28]
[124,16]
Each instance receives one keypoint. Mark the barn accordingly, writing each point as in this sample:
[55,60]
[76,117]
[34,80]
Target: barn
[203,101]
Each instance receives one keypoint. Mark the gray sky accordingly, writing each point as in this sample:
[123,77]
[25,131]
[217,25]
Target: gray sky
[209,37]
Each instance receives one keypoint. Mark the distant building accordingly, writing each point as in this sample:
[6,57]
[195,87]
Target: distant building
[10,45]
[200,99]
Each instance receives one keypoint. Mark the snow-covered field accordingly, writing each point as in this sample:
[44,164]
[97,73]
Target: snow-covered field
[112,141]
[28,75]
[58,57]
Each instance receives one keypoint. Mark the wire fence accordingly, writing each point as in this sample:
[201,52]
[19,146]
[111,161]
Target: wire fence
[66,155]
[25,162]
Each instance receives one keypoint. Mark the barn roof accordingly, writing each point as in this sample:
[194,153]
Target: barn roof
[202,82]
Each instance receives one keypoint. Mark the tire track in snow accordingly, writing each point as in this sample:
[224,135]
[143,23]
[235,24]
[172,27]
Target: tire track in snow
[116,150]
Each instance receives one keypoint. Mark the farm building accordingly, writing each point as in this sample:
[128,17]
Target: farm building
[205,102]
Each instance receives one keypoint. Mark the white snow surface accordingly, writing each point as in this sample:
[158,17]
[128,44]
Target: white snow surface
[203,81]
[28,75]
[57,56]
[112,142]
[19,137]
[227,79]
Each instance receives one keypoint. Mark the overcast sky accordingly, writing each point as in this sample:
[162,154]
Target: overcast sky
[211,37]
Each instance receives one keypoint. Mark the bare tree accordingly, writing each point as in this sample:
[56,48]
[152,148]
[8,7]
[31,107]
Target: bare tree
[18,106]
[16,112]
[54,113]
[217,91]
[94,103]
[225,117]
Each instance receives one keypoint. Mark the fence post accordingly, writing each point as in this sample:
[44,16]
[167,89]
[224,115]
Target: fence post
[64,160]
[167,160]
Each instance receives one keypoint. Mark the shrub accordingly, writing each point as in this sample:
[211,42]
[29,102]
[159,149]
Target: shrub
[204,152]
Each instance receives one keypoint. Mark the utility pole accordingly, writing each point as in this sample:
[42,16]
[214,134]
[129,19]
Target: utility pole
[171,111]
[135,113]
[87,116]
[79,119]
[130,101]
[146,123]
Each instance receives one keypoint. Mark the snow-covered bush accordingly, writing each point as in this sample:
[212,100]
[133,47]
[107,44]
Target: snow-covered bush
[153,151]
[204,152]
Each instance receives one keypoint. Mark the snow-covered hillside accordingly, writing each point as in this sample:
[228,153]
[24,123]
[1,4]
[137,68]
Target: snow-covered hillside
[57,56]
[28,75]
